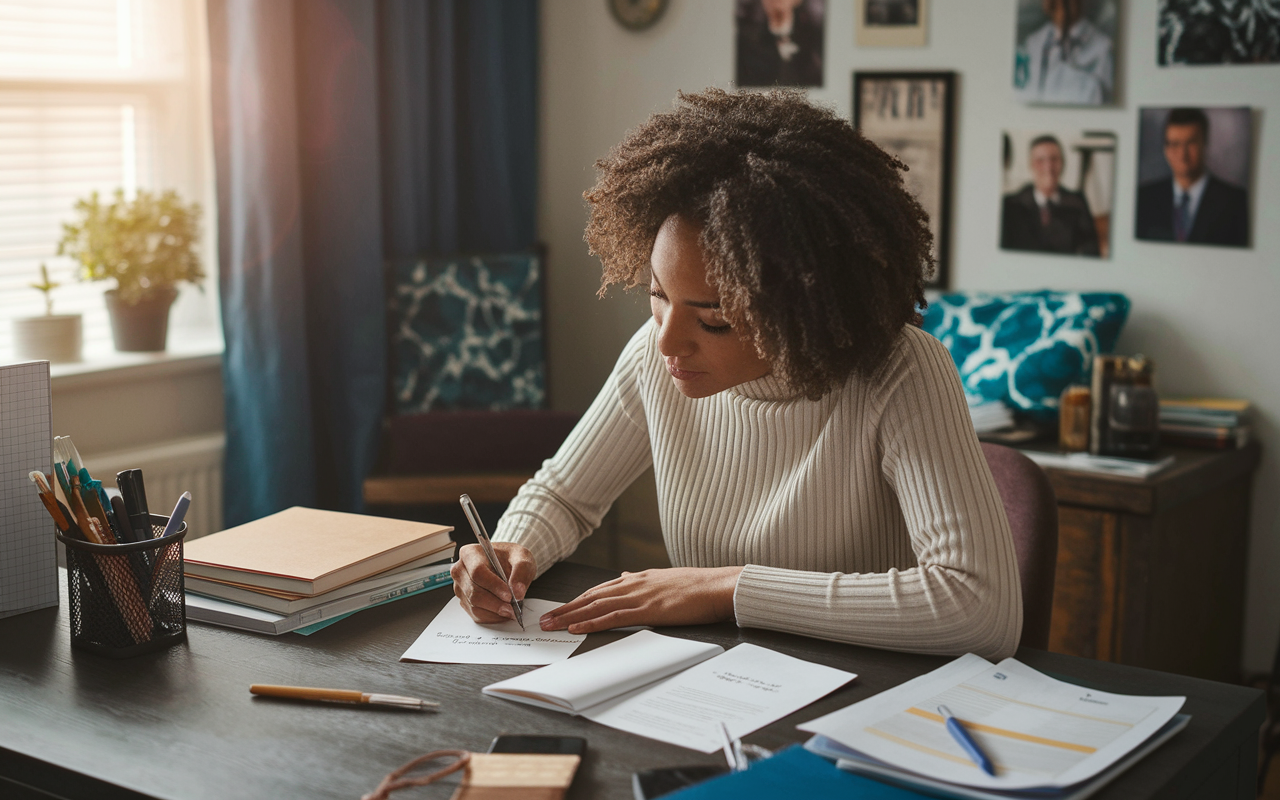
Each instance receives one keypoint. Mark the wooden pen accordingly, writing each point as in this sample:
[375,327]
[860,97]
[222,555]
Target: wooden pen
[341,696]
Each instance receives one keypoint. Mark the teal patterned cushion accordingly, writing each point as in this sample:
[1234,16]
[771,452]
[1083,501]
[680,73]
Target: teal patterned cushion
[1024,348]
[467,333]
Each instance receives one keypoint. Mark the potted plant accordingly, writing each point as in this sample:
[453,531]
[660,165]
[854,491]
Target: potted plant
[148,245]
[52,337]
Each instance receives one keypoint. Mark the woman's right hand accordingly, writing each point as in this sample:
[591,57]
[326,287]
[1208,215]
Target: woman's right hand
[482,592]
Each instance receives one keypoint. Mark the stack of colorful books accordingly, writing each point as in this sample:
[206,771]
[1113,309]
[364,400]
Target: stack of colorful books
[303,569]
[1210,423]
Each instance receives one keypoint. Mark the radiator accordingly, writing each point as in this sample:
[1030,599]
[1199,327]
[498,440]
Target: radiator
[169,469]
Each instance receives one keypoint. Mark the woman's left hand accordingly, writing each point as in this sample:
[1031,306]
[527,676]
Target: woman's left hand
[677,596]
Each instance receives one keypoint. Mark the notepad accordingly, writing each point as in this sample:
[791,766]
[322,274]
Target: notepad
[676,690]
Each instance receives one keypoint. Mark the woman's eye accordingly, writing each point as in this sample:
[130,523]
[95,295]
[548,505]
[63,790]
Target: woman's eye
[715,328]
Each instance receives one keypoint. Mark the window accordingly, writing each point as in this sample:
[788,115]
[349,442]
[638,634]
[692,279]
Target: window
[98,95]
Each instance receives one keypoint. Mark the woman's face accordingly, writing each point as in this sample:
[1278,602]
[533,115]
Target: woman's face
[704,354]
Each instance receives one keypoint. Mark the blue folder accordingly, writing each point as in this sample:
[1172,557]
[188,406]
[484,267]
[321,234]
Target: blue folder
[793,772]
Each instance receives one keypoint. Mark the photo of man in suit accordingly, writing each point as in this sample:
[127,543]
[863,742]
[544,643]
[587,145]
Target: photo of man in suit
[1044,215]
[1192,205]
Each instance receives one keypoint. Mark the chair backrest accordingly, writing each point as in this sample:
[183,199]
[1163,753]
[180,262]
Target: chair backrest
[1032,509]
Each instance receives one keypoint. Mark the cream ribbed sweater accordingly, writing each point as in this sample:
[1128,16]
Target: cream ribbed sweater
[868,516]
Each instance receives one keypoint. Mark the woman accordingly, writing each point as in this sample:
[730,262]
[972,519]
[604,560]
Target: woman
[816,467]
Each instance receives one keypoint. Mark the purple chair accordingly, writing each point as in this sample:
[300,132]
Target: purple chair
[1032,509]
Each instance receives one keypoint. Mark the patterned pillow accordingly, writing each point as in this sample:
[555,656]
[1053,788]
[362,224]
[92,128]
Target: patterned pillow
[467,333]
[1024,348]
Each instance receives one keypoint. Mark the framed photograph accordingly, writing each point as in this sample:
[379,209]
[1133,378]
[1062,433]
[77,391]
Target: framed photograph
[1064,52]
[1193,175]
[779,42]
[1217,32]
[1058,190]
[891,23]
[912,116]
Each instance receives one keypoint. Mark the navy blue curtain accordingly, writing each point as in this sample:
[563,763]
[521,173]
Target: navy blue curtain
[345,132]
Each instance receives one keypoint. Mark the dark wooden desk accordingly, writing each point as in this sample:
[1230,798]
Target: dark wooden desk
[1151,573]
[181,723]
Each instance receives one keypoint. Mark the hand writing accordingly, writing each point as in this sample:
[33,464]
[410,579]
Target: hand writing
[482,592]
[679,596]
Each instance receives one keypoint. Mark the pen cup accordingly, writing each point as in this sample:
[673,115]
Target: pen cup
[127,599]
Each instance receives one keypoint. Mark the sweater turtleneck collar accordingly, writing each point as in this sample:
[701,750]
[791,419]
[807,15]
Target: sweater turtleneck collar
[770,387]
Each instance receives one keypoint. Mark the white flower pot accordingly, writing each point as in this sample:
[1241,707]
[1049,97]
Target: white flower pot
[55,338]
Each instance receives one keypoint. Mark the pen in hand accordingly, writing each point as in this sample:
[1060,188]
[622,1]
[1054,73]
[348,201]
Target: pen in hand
[966,741]
[482,536]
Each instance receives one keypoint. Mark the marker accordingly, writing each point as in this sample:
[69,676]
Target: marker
[179,511]
[966,741]
[134,492]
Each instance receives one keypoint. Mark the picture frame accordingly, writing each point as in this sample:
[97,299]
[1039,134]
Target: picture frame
[891,23]
[912,116]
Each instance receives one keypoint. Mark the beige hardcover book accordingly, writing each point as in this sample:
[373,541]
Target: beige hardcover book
[212,587]
[308,551]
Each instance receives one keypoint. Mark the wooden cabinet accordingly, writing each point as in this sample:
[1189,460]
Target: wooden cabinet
[1151,572]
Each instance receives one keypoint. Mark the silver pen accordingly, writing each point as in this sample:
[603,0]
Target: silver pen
[482,536]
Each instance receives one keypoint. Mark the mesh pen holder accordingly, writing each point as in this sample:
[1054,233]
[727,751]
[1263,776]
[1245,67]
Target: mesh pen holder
[127,599]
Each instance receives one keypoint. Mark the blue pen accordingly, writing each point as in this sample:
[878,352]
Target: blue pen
[179,511]
[963,738]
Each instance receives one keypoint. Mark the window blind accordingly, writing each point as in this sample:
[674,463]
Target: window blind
[86,88]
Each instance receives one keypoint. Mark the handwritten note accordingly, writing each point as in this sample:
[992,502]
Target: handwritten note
[454,638]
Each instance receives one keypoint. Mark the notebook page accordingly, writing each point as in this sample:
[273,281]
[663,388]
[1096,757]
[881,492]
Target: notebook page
[605,672]
[745,688]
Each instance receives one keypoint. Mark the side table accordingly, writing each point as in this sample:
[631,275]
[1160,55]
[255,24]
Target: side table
[1151,572]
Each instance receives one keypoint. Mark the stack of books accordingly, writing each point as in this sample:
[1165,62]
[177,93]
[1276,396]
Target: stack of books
[303,568]
[1210,423]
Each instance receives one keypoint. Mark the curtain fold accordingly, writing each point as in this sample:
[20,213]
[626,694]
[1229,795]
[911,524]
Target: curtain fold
[347,132]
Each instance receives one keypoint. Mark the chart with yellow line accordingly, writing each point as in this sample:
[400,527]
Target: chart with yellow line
[1038,731]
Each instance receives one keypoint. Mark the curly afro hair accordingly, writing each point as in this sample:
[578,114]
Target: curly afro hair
[810,238]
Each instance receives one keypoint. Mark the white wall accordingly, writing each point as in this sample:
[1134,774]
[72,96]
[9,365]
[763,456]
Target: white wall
[1210,317]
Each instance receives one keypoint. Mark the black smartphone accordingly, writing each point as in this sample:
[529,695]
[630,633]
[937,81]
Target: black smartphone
[561,745]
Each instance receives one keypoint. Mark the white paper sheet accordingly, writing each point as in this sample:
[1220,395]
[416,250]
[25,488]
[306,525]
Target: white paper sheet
[454,638]
[746,688]
[606,672]
[1038,731]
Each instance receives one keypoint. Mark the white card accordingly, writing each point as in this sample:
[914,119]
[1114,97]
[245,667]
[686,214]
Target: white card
[454,638]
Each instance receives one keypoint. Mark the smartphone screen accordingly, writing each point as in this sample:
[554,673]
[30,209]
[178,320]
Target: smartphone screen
[563,745]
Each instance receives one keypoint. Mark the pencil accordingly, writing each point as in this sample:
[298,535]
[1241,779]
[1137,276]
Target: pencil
[341,696]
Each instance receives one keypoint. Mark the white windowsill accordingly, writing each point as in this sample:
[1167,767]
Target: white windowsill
[106,366]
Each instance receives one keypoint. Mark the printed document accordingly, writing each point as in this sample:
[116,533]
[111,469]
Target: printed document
[454,638]
[1039,732]
[676,690]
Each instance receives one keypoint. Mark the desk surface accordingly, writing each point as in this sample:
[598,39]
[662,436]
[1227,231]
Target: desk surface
[181,723]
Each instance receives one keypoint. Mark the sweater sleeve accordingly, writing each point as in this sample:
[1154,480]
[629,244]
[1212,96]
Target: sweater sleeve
[963,595]
[606,451]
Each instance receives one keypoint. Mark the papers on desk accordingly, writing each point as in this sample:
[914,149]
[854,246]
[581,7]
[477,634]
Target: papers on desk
[676,690]
[454,638]
[1105,465]
[1044,736]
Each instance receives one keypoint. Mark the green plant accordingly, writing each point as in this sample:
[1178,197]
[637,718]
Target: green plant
[147,244]
[46,286]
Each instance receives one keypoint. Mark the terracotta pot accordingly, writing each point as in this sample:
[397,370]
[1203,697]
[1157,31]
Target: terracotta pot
[142,326]
[53,337]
